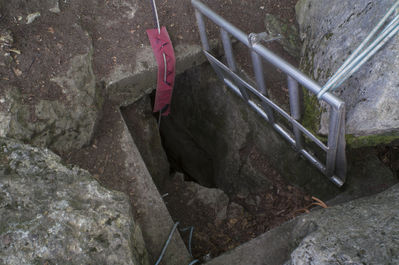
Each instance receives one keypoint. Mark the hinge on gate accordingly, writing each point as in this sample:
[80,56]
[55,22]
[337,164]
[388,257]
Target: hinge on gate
[255,38]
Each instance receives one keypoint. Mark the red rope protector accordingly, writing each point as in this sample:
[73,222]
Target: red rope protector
[162,45]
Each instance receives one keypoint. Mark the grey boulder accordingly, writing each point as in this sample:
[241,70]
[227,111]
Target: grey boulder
[364,231]
[62,107]
[53,214]
[331,30]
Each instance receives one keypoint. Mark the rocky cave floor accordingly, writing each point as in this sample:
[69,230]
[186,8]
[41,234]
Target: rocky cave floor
[220,223]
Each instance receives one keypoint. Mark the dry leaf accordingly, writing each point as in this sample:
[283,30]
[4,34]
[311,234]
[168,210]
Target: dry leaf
[17,72]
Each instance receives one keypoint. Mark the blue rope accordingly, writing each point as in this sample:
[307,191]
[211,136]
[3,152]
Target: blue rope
[194,261]
[167,243]
[190,238]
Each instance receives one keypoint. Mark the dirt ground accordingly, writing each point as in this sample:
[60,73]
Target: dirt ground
[45,47]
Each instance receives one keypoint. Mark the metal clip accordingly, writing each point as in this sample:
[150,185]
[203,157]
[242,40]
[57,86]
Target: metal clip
[255,38]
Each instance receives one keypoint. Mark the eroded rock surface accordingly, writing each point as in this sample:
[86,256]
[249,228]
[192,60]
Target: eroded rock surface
[53,214]
[364,231]
[49,95]
[331,30]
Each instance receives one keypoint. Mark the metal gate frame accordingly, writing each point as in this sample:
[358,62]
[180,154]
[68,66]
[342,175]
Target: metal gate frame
[335,165]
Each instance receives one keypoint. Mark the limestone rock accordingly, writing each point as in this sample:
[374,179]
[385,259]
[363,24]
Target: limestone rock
[212,198]
[55,6]
[53,214]
[32,17]
[63,123]
[144,129]
[331,30]
[215,199]
[363,231]
[50,96]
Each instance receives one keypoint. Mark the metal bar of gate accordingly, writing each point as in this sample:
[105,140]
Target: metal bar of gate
[202,30]
[230,58]
[305,131]
[264,52]
[294,95]
[260,81]
[335,168]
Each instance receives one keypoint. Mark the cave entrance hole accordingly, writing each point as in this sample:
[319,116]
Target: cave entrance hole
[209,162]
[226,172]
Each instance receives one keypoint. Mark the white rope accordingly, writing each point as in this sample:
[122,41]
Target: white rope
[163,54]
[156,16]
[362,54]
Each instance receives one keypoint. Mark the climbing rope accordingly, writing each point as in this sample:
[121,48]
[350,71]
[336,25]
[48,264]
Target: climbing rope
[191,228]
[194,261]
[167,243]
[372,44]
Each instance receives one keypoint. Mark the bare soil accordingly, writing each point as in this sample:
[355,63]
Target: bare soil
[50,41]
[102,159]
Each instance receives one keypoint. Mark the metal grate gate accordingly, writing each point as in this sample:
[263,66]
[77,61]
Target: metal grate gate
[335,165]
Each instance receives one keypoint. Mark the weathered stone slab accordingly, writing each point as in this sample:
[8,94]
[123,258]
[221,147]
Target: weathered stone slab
[331,30]
[144,129]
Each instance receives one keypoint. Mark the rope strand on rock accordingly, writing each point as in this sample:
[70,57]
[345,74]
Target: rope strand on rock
[365,50]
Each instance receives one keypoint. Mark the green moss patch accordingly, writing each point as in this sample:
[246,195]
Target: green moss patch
[312,112]
[370,140]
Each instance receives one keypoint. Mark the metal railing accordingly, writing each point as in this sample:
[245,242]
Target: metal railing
[335,165]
